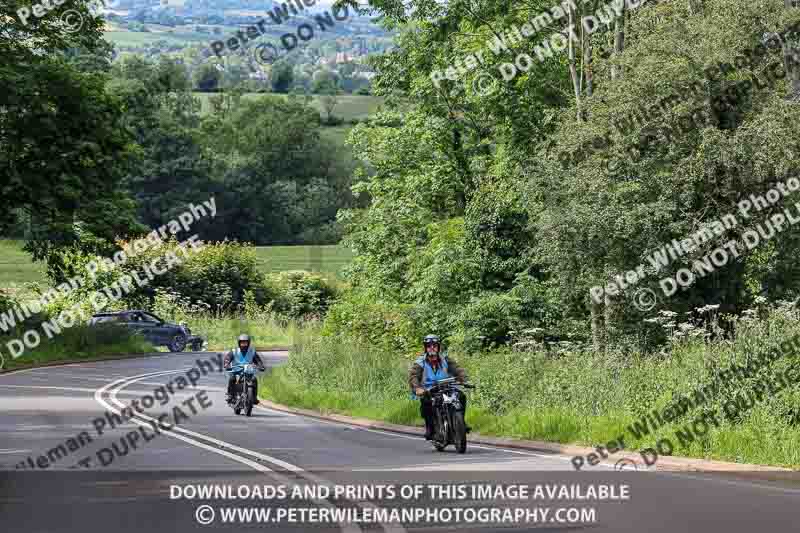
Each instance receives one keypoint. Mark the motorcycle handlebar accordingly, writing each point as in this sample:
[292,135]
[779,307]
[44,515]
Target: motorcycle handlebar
[448,383]
[234,368]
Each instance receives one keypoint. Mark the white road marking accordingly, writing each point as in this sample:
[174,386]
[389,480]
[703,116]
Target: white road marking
[13,451]
[215,450]
[71,389]
[412,437]
[120,384]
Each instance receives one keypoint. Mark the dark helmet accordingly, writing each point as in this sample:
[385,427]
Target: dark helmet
[243,338]
[431,339]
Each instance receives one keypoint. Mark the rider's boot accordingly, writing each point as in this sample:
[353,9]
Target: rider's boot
[228,398]
[428,430]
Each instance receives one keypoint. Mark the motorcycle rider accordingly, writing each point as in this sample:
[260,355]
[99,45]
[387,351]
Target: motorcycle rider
[244,353]
[425,370]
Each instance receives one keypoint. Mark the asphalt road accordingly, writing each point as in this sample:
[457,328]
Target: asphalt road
[66,464]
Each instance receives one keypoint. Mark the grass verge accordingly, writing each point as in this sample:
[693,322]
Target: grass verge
[578,398]
[222,331]
[79,343]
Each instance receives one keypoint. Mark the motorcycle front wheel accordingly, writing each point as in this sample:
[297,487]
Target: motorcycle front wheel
[459,431]
[248,405]
[440,432]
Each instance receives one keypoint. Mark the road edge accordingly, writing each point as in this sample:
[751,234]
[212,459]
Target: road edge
[66,362]
[669,464]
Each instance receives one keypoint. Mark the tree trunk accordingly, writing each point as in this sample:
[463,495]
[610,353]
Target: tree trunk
[587,62]
[619,43]
[598,328]
[573,70]
[611,319]
[695,7]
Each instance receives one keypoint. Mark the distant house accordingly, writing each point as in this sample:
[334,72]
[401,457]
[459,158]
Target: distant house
[343,57]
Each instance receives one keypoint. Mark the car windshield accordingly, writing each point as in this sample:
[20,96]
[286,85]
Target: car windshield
[111,318]
[150,318]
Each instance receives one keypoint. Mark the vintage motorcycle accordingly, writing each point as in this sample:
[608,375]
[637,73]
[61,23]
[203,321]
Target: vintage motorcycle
[244,390]
[449,426]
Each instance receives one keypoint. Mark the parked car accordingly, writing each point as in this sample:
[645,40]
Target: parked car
[176,337]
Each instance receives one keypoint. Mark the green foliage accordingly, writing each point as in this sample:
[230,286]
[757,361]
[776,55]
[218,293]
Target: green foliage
[80,342]
[488,318]
[282,76]
[207,78]
[360,315]
[495,205]
[215,277]
[65,150]
[574,397]
[301,295]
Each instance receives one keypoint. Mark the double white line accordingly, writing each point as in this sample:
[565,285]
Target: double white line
[226,449]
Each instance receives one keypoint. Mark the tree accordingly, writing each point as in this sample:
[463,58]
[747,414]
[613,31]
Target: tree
[65,147]
[545,228]
[207,78]
[282,77]
[279,180]
[329,100]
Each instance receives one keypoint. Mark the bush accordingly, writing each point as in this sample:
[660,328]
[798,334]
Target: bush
[390,327]
[301,294]
[488,319]
[215,276]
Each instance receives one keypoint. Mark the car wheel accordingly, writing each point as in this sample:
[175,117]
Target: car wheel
[178,343]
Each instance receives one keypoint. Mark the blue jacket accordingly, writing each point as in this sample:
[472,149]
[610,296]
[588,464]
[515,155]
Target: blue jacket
[236,357]
[421,374]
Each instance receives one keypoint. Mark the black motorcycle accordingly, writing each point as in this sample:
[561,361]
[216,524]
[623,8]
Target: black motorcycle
[244,390]
[449,426]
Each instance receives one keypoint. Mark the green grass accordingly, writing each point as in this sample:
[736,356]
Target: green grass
[350,106]
[16,268]
[336,134]
[181,35]
[324,259]
[580,398]
[221,331]
[79,342]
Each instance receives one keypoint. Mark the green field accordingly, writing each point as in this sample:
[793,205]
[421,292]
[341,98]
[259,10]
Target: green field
[16,267]
[350,106]
[325,259]
[184,35]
